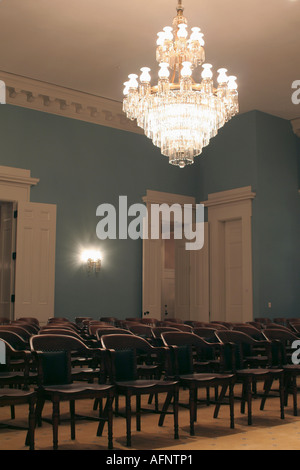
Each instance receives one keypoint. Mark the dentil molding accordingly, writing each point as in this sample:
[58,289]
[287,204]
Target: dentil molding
[54,99]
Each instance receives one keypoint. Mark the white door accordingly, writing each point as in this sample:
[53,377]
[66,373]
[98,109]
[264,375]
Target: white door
[182,280]
[35,260]
[199,281]
[233,271]
[152,277]
[7,245]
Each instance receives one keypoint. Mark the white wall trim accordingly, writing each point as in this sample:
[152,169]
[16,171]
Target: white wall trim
[54,99]
[222,207]
[230,196]
[15,184]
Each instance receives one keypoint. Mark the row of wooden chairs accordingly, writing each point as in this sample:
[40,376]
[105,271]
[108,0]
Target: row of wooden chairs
[283,372]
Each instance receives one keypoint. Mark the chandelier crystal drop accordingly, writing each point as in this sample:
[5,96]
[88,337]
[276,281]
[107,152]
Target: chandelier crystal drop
[180,115]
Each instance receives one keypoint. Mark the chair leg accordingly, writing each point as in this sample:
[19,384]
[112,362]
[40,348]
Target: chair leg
[281,392]
[220,399]
[138,412]
[175,412]
[31,425]
[165,409]
[231,404]
[109,403]
[249,400]
[55,422]
[267,388]
[72,414]
[128,420]
[192,410]
[38,411]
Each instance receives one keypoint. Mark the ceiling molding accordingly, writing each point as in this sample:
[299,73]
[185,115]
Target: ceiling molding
[296,126]
[53,99]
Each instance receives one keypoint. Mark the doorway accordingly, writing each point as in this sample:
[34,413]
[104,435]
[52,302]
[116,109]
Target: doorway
[175,280]
[7,258]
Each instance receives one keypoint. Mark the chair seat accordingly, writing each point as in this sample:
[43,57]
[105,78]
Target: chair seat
[291,368]
[258,372]
[84,370]
[15,393]
[205,377]
[145,384]
[76,388]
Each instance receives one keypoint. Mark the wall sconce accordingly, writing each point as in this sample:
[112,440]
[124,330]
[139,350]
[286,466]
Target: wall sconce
[92,260]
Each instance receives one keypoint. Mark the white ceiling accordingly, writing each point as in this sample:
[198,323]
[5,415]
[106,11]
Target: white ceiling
[92,45]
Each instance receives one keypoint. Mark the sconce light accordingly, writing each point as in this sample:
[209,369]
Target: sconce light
[92,259]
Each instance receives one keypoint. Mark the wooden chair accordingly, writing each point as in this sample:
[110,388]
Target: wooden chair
[182,368]
[206,333]
[144,331]
[180,326]
[55,382]
[122,356]
[157,332]
[286,339]
[14,387]
[233,360]
[110,320]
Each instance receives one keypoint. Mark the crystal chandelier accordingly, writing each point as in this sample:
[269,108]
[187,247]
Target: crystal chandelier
[179,114]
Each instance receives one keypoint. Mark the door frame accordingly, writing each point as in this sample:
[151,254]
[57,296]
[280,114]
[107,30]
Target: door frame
[15,186]
[224,206]
[152,254]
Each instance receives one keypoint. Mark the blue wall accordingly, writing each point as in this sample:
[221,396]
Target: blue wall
[259,150]
[81,165]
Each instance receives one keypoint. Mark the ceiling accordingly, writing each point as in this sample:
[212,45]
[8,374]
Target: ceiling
[92,45]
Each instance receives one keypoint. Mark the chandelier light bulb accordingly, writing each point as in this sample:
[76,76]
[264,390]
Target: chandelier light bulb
[168,33]
[222,78]
[164,71]
[161,38]
[186,69]
[182,32]
[177,113]
[207,73]
[232,85]
[145,76]
[133,83]
[126,88]
[196,35]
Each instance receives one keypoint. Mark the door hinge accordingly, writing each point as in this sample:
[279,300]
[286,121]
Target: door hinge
[14,255]
[13,298]
[15,214]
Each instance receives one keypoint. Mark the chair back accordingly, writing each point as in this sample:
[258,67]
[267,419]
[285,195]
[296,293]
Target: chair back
[25,335]
[145,331]
[15,341]
[112,331]
[250,331]
[237,346]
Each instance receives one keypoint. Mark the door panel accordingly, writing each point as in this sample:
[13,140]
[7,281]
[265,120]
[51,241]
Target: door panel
[35,260]
[233,271]
[199,281]
[182,280]
[6,259]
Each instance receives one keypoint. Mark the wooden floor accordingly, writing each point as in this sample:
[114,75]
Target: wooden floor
[268,431]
